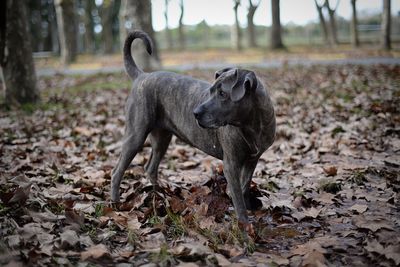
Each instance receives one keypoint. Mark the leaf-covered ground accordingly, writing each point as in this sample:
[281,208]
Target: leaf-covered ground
[328,187]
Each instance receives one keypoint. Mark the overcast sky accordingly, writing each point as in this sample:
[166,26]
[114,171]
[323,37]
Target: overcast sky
[221,11]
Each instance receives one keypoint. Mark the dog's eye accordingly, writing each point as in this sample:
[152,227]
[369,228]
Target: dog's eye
[223,94]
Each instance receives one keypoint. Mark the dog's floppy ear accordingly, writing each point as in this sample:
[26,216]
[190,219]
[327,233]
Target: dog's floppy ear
[241,86]
[219,72]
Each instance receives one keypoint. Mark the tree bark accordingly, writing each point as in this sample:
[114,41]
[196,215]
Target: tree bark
[123,22]
[385,28]
[182,44]
[332,22]
[354,32]
[67,30]
[167,30]
[17,61]
[33,9]
[276,29]
[250,23]
[136,15]
[89,26]
[322,22]
[106,13]
[55,45]
[236,31]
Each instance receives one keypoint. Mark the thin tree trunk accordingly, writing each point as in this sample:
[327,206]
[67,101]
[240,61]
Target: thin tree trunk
[322,22]
[385,28]
[67,30]
[181,27]
[354,33]
[276,29]
[55,45]
[136,15]
[89,26]
[17,65]
[236,31]
[205,29]
[106,23]
[123,21]
[167,30]
[33,9]
[332,22]
[250,23]
[48,18]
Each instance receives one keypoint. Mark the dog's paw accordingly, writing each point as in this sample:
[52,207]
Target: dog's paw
[252,202]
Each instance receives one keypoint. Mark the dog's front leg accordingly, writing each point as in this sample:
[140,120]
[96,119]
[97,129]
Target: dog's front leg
[245,181]
[232,169]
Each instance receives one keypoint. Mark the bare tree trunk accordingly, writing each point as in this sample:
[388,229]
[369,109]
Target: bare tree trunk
[123,22]
[332,22]
[322,22]
[167,30]
[385,28]
[250,23]
[33,10]
[354,33]
[106,13]
[17,64]
[236,31]
[205,30]
[276,29]
[67,30]
[55,44]
[89,26]
[181,27]
[136,15]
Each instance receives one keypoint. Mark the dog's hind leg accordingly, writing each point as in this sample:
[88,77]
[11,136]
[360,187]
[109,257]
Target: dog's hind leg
[159,140]
[134,140]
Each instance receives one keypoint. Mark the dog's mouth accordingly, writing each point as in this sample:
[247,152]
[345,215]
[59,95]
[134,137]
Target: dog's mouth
[212,125]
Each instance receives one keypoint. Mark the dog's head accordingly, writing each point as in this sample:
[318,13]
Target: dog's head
[231,99]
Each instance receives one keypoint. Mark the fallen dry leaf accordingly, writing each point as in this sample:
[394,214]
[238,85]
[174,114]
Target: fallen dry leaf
[330,170]
[359,208]
[69,239]
[373,225]
[95,252]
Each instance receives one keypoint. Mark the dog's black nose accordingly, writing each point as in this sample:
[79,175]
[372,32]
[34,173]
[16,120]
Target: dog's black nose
[197,112]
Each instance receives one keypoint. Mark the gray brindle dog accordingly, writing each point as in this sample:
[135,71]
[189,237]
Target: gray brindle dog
[232,120]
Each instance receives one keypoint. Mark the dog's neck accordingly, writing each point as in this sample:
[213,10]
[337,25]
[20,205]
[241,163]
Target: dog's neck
[260,125]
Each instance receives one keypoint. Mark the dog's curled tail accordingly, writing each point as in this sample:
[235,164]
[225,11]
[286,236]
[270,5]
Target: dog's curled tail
[130,66]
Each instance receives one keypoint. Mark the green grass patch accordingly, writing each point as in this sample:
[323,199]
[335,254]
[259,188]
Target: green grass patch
[176,227]
[330,186]
[337,130]
[163,257]
[270,186]
[30,108]
[99,210]
[358,177]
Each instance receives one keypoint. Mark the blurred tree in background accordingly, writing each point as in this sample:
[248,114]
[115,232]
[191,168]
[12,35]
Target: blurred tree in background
[236,31]
[354,32]
[332,22]
[386,21]
[253,5]
[89,6]
[137,15]
[276,31]
[16,54]
[181,26]
[107,14]
[167,30]
[67,30]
